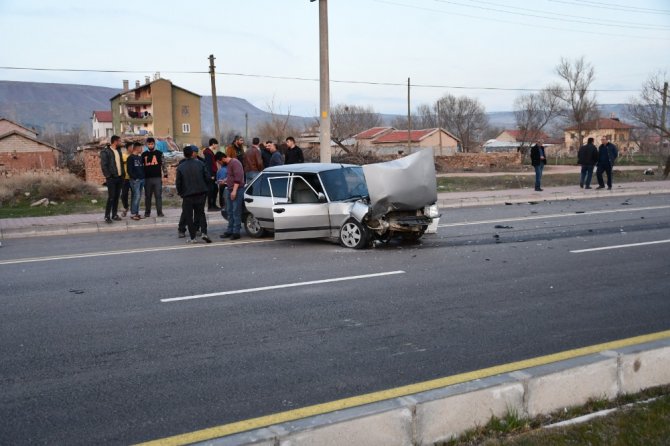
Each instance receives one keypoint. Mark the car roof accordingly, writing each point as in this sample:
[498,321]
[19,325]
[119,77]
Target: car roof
[308,167]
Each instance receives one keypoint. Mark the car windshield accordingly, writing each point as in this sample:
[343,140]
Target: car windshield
[345,183]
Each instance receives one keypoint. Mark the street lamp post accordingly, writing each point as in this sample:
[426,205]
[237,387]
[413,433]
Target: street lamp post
[324,83]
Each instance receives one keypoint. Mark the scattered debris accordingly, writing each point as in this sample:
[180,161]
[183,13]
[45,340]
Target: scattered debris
[507,203]
[649,171]
[579,212]
[42,202]
[94,201]
[625,203]
[503,227]
[27,194]
[496,236]
[77,291]
[532,202]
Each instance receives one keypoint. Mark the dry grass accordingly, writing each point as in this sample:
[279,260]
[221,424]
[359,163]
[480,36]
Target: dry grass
[30,187]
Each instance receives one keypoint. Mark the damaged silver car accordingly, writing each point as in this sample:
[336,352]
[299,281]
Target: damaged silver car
[354,204]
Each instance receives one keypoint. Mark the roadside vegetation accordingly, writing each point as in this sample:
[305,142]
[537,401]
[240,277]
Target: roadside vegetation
[641,419]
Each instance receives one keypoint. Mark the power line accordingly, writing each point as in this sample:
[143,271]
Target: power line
[266,76]
[571,16]
[532,25]
[599,5]
[543,17]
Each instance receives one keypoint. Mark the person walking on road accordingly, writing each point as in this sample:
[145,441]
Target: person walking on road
[538,159]
[587,157]
[192,185]
[111,164]
[234,196]
[153,183]
[607,154]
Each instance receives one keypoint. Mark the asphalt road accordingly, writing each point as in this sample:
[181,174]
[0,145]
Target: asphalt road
[91,355]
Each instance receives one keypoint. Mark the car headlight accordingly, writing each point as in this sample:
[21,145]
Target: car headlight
[431,211]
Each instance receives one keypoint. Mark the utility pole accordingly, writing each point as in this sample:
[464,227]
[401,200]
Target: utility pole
[324,83]
[439,126]
[409,123]
[215,105]
[246,127]
[664,128]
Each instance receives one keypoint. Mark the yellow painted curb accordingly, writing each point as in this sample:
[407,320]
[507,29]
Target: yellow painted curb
[347,403]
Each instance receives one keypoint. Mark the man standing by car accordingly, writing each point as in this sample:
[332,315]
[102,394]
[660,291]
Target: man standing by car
[234,196]
[113,169]
[253,161]
[607,153]
[192,185]
[538,159]
[153,183]
[294,153]
[210,165]
[587,157]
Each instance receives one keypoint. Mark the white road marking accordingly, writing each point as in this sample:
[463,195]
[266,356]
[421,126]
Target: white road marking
[540,217]
[286,285]
[630,245]
[123,251]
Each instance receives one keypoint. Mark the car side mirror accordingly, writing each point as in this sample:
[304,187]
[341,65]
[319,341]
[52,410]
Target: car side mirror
[321,197]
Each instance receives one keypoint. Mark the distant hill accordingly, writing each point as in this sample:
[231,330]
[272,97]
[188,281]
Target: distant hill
[63,107]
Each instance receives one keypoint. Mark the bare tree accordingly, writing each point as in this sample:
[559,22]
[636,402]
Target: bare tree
[465,117]
[424,117]
[647,108]
[279,126]
[533,112]
[348,120]
[579,104]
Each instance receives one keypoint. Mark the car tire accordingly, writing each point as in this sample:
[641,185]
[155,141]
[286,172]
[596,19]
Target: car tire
[354,235]
[253,227]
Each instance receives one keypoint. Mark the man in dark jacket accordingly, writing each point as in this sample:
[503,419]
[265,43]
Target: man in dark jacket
[153,183]
[294,153]
[210,165]
[607,153]
[192,184]
[111,163]
[587,157]
[538,159]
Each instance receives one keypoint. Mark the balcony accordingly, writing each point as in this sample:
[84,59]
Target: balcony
[137,118]
[139,101]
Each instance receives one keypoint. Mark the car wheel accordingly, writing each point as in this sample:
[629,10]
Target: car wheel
[253,227]
[353,234]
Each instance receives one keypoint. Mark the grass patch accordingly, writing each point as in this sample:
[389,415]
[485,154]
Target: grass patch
[501,182]
[645,423]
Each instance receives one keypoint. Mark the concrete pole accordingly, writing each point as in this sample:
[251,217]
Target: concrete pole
[439,126]
[324,81]
[664,128]
[215,105]
[409,123]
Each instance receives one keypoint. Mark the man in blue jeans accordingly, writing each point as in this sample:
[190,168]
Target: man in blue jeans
[135,170]
[538,159]
[234,196]
[607,153]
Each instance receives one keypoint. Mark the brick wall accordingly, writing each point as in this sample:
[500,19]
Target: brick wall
[478,161]
[27,161]
[94,173]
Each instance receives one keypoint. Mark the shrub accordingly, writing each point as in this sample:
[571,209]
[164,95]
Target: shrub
[60,187]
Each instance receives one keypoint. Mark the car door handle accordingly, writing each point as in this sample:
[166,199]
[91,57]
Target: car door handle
[249,200]
[279,210]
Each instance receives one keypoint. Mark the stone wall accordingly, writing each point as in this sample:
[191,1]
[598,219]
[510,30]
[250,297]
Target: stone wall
[478,161]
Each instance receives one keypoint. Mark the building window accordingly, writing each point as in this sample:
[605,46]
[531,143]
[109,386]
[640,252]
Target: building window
[185,110]
[186,128]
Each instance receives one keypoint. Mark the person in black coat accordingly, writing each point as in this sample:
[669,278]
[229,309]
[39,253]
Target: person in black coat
[192,186]
[587,157]
[538,159]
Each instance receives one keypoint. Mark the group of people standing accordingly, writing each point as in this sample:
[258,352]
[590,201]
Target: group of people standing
[588,156]
[138,167]
[212,176]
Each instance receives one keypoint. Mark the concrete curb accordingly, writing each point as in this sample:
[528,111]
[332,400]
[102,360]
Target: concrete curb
[540,197]
[439,415]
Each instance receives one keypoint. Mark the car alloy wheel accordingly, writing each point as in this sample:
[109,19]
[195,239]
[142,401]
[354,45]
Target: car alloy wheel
[253,227]
[353,234]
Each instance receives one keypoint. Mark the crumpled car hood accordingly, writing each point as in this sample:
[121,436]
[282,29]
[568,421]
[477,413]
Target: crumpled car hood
[404,184]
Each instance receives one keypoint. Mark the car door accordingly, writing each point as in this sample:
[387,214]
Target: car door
[303,215]
[259,200]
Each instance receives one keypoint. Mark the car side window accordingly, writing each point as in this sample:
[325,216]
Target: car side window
[261,187]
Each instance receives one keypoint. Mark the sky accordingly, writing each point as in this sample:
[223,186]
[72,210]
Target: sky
[487,49]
